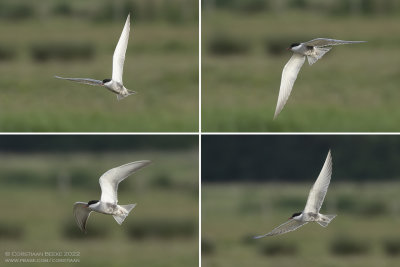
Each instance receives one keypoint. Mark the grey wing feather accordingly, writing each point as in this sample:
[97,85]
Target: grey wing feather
[321,42]
[81,214]
[286,227]
[83,80]
[109,181]
[320,187]
[289,76]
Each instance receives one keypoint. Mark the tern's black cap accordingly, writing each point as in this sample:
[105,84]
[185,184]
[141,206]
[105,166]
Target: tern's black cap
[293,45]
[295,214]
[92,202]
[106,80]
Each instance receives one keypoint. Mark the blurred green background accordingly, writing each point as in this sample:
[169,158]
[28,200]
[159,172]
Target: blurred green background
[252,184]
[77,38]
[353,88]
[42,176]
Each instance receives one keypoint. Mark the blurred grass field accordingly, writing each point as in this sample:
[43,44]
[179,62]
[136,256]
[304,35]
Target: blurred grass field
[365,232]
[161,65]
[353,88]
[162,230]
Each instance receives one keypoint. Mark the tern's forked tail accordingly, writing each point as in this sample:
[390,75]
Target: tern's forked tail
[326,219]
[317,53]
[124,212]
[121,96]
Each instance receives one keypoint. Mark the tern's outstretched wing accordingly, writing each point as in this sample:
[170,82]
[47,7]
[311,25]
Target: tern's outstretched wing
[289,75]
[321,42]
[81,214]
[109,181]
[320,187]
[83,80]
[286,227]
[119,53]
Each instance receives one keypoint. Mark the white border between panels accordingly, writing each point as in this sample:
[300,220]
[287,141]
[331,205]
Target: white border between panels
[199,132]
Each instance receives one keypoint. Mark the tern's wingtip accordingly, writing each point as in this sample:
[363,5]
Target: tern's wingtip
[277,111]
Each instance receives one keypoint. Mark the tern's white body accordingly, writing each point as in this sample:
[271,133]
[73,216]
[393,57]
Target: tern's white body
[108,203]
[115,84]
[313,205]
[313,50]
[118,88]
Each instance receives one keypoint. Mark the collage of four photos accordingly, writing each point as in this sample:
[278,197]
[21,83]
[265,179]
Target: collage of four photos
[207,133]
